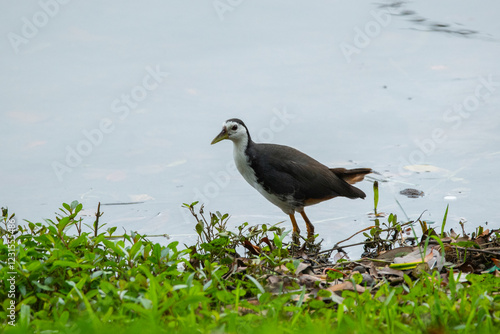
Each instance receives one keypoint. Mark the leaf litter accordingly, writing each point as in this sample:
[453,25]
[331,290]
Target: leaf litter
[390,256]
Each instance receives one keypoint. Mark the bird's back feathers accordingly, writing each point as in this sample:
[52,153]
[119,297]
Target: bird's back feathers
[286,171]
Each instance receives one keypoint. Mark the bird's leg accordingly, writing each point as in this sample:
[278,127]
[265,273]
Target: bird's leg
[294,224]
[309,226]
[296,230]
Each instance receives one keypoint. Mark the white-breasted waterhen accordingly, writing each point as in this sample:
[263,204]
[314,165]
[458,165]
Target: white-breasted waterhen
[287,177]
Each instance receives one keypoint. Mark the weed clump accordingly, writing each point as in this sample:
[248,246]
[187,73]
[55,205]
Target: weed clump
[251,280]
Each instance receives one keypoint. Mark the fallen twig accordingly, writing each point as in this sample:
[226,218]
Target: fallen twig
[363,230]
[487,251]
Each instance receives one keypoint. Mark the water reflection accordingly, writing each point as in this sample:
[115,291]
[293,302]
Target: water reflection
[419,22]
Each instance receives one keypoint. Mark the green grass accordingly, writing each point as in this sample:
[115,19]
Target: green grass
[93,282]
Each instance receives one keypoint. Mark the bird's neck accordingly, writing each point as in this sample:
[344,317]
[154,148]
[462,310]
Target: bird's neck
[242,144]
[242,158]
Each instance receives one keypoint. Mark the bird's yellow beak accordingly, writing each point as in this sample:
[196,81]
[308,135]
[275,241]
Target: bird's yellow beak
[221,136]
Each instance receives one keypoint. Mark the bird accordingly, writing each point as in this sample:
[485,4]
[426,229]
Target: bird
[287,177]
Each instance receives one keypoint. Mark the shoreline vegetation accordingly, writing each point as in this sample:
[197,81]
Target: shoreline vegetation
[411,278]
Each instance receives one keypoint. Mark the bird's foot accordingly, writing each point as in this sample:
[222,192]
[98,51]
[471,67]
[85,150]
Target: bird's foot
[311,237]
[310,246]
[294,246]
[296,239]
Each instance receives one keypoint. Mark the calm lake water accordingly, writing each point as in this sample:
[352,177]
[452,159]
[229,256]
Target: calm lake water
[117,103]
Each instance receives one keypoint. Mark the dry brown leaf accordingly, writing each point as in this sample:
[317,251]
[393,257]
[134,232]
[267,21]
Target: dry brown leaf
[282,269]
[251,248]
[389,271]
[304,268]
[346,286]
[308,280]
[276,284]
[373,270]
[486,233]
[307,296]
[393,253]
[268,242]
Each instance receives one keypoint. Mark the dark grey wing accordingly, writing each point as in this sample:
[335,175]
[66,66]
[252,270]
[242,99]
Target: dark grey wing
[287,171]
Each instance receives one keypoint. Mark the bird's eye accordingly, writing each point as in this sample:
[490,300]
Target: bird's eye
[234,128]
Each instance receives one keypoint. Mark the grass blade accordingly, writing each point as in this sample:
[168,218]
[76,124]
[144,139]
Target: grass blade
[257,284]
[444,221]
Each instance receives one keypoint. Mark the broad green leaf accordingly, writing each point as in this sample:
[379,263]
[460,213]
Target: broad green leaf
[257,284]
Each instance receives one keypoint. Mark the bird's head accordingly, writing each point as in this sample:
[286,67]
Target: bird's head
[233,129]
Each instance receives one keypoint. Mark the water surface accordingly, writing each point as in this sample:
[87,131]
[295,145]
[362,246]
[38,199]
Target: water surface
[117,102]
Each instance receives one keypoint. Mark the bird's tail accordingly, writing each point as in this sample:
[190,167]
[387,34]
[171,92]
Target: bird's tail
[351,176]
